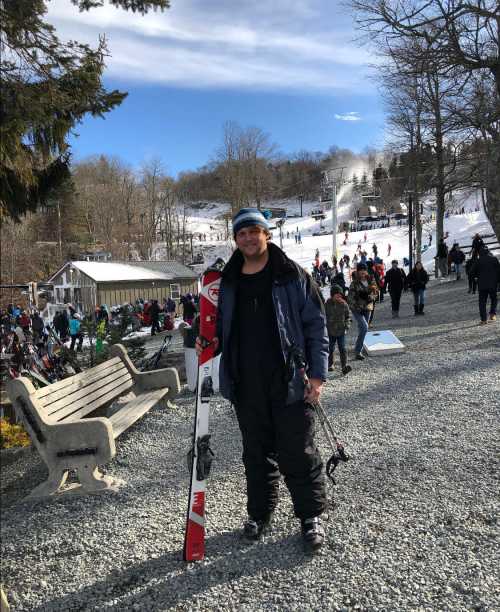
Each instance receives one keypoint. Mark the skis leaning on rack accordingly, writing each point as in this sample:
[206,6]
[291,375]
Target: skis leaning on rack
[200,455]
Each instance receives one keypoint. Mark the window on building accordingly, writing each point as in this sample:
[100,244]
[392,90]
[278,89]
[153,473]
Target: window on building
[77,296]
[175,291]
[67,295]
[59,295]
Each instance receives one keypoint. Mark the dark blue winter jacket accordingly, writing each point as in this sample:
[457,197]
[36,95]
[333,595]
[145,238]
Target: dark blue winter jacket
[300,315]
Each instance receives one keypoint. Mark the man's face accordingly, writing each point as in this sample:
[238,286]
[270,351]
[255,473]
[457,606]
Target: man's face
[394,265]
[362,274]
[252,241]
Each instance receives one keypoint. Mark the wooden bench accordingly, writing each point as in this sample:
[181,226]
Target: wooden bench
[57,417]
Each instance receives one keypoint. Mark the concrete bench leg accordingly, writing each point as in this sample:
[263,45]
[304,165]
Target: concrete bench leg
[51,486]
[92,480]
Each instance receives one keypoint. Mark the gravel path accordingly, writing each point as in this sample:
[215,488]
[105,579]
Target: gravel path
[415,520]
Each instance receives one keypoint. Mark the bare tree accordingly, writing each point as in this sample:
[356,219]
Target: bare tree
[459,36]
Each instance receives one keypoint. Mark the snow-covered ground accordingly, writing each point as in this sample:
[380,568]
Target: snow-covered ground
[461,229]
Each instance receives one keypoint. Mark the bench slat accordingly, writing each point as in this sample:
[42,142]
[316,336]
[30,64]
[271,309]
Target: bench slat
[109,397]
[79,393]
[57,395]
[91,402]
[77,377]
[133,410]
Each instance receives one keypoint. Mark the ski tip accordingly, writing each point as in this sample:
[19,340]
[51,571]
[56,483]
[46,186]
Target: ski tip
[217,266]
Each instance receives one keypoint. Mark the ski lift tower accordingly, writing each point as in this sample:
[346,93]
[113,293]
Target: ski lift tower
[333,179]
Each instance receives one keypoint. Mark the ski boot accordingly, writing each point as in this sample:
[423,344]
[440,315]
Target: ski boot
[253,529]
[313,534]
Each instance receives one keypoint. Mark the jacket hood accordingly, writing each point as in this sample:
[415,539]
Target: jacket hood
[282,267]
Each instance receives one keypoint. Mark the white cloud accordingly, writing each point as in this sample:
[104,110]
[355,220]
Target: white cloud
[352,116]
[288,44]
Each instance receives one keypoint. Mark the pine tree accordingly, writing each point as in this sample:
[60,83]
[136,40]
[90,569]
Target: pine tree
[47,88]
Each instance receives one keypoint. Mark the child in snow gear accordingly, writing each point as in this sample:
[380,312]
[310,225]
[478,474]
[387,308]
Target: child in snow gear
[395,281]
[267,304]
[417,280]
[338,320]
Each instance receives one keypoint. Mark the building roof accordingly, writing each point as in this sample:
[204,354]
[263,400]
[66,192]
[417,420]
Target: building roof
[174,268]
[107,271]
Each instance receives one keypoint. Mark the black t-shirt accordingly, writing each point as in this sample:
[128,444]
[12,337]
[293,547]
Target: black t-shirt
[259,352]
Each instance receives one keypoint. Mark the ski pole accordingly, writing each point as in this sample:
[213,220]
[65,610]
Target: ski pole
[338,450]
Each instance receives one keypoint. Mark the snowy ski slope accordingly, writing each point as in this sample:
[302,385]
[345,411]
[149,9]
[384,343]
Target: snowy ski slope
[461,229]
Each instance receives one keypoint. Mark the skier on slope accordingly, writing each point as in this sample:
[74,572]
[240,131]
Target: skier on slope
[269,306]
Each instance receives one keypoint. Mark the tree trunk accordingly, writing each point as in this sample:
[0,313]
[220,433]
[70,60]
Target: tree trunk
[492,208]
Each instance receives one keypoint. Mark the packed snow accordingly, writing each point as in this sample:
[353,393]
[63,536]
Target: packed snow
[460,228]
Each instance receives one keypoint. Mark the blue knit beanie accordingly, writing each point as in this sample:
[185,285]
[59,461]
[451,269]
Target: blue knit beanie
[246,217]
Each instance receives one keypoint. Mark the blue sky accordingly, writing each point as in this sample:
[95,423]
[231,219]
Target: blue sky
[289,67]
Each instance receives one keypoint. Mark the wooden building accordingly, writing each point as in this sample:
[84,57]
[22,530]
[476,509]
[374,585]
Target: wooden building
[87,284]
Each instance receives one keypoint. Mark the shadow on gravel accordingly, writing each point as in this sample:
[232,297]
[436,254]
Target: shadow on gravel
[169,588]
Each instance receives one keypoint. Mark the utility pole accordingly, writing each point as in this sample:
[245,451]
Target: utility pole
[334,220]
[334,205]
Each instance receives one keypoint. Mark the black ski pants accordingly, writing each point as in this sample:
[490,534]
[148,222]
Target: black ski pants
[472,283]
[483,299]
[279,438]
[395,300]
[155,325]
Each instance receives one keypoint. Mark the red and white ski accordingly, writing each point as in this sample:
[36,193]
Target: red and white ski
[200,454]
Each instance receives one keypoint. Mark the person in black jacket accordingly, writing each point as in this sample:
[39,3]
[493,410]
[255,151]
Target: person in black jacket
[442,257]
[457,258]
[154,312]
[472,279]
[477,245]
[417,280]
[487,271]
[395,281]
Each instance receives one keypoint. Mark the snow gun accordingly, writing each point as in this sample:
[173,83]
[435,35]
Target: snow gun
[338,450]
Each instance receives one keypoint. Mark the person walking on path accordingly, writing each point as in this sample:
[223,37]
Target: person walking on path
[269,308]
[154,313]
[338,320]
[486,269]
[395,282]
[442,257]
[477,245]
[417,281]
[471,278]
[362,295]
[457,259]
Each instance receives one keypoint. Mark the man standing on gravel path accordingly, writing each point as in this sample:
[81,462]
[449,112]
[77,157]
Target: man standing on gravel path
[487,271]
[269,307]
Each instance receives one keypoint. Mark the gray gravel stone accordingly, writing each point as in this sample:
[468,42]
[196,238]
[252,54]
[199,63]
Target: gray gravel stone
[415,520]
